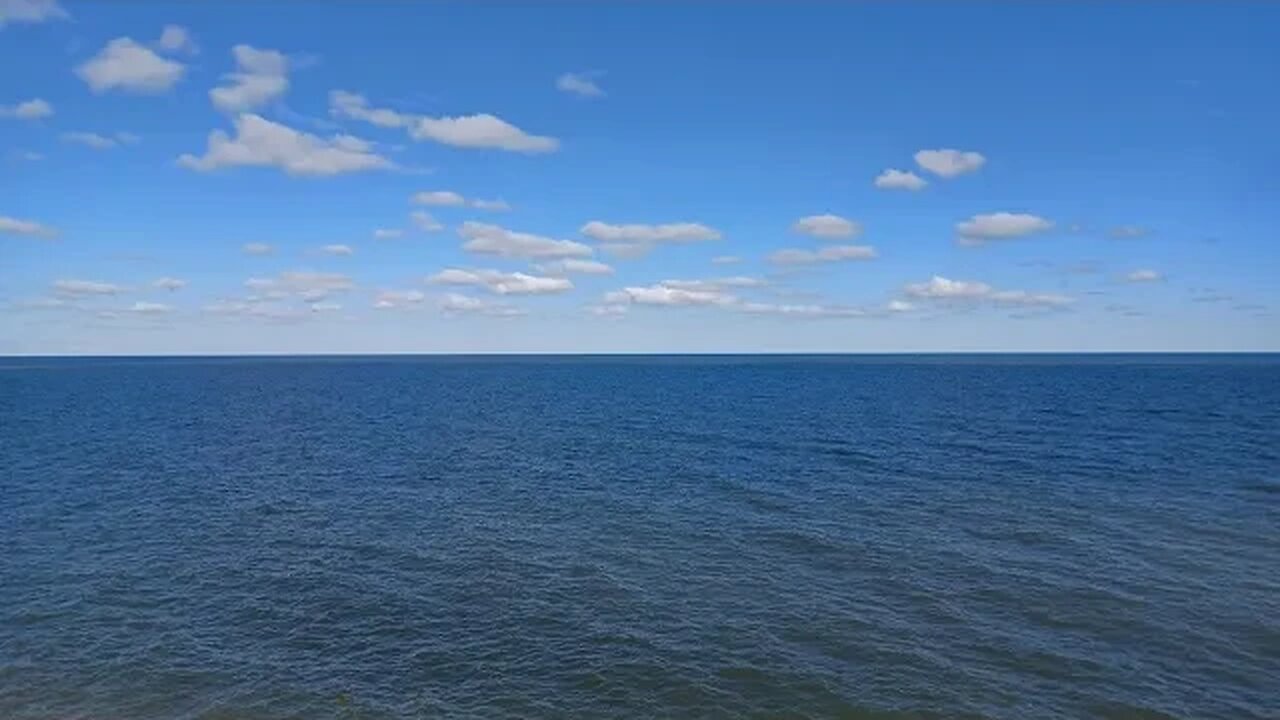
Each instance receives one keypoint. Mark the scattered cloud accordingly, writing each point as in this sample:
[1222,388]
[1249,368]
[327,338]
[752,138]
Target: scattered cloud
[467,131]
[456,303]
[949,163]
[502,283]
[498,205]
[892,179]
[726,260]
[257,249]
[175,38]
[424,221]
[31,228]
[716,284]
[664,295]
[388,233]
[827,227]
[390,299]
[128,66]
[262,143]
[831,253]
[939,288]
[800,310]
[438,198]
[150,308]
[581,84]
[980,229]
[33,109]
[30,11]
[304,284]
[899,306]
[100,142]
[169,283]
[682,232]
[494,240]
[1144,276]
[82,288]
[261,76]
[338,250]
[714,293]
[1127,232]
[570,266]
[1209,296]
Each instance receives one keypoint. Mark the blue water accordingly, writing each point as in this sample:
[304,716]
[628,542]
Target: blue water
[685,537]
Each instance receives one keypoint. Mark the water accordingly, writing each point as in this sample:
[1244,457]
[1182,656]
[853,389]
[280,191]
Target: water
[877,537]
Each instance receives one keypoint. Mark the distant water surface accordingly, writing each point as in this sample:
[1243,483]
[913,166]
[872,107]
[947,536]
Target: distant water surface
[640,537]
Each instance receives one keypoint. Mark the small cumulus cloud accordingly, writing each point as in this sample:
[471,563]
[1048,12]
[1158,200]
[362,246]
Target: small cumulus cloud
[827,227]
[392,299]
[502,283]
[581,84]
[939,288]
[479,131]
[949,163]
[169,283]
[150,308]
[459,304]
[85,288]
[1144,275]
[828,254]
[892,179]
[177,39]
[30,228]
[981,229]
[570,266]
[100,142]
[303,284]
[340,250]
[387,233]
[260,77]
[632,240]
[424,221]
[33,109]
[30,11]
[489,239]
[438,198]
[262,143]
[128,66]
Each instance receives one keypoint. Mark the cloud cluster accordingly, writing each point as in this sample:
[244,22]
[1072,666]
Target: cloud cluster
[827,227]
[33,109]
[715,293]
[302,284]
[260,77]
[502,283]
[893,179]
[465,131]
[259,142]
[486,239]
[637,239]
[458,304]
[129,66]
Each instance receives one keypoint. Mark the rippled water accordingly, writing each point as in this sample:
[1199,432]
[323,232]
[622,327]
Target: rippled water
[1025,537]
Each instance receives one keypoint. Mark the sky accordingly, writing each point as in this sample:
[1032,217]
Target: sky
[343,177]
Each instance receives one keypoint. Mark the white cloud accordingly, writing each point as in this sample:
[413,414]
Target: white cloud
[387,233]
[337,250]
[79,288]
[425,222]
[150,308]
[469,131]
[573,265]
[800,311]
[438,198]
[261,76]
[827,227]
[607,310]
[258,249]
[716,284]
[726,260]
[899,306]
[100,142]
[579,84]
[262,143]
[305,284]
[389,299]
[1144,275]
[939,288]
[16,226]
[682,232]
[502,283]
[454,303]
[831,253]
[169,283]
[175,38]
[128,66]
[892,179]
[949,163]
[1000,226]
[30,11]
[1128,232]
[491,205]
[494,240]
[33,109]
[665,295]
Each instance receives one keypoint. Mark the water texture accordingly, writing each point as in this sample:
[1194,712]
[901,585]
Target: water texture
[640,537]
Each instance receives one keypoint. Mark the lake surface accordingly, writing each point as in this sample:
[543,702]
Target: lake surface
[640,537]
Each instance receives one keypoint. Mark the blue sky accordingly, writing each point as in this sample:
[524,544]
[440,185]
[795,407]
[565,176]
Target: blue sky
[411,177]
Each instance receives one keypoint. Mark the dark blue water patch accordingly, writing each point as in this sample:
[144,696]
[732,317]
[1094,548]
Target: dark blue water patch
[697,536]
